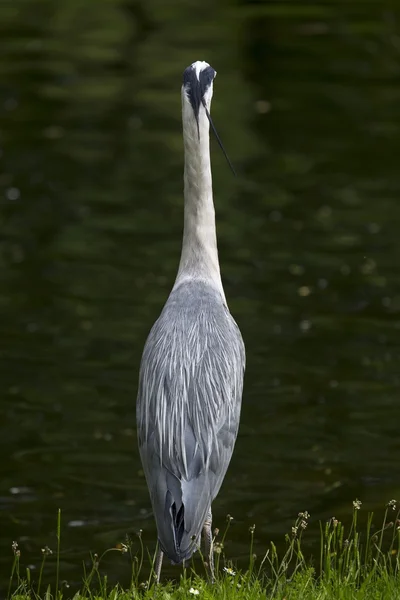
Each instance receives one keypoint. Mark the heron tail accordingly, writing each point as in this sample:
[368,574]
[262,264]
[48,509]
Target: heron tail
[177,541]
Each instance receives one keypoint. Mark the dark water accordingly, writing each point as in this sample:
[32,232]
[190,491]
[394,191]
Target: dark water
[307,101]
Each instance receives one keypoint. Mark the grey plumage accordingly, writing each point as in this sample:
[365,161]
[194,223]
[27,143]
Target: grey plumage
[191,374]
[188,411]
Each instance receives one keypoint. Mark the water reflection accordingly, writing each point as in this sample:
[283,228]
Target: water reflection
[306,101]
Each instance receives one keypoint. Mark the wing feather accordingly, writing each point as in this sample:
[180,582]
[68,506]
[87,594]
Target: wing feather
[188,411]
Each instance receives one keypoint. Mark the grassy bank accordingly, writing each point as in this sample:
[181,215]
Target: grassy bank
[357,563]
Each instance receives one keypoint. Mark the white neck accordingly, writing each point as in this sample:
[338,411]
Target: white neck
[199,258]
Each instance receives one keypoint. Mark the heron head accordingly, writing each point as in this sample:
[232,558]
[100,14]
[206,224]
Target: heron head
[198,86]
[197,91]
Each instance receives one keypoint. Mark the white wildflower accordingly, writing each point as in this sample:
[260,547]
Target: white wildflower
[194,591]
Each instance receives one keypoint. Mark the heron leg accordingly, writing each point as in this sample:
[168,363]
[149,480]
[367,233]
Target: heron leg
[208,543]
[158,564]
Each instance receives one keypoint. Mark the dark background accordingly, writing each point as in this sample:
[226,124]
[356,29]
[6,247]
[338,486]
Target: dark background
[307,102]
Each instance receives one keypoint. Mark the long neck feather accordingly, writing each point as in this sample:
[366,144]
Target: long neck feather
[199,258]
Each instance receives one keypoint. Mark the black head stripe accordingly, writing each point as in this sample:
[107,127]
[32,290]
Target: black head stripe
[206,78]
[192,88]
[196,89]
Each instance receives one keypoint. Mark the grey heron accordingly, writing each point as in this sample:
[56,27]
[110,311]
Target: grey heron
[192,368]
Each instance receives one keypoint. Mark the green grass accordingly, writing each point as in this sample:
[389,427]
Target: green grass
[360,563]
